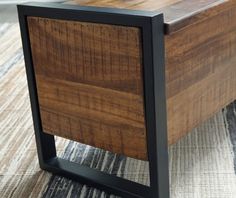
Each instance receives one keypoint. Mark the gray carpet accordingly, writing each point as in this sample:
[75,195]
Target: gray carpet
[231,124]
[201,164]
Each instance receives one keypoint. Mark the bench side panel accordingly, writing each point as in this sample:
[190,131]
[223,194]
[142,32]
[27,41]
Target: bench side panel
[90,83]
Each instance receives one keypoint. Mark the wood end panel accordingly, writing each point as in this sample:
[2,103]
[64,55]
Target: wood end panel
[89,83]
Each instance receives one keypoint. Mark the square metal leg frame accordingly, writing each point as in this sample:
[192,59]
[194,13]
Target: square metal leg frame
[152,28]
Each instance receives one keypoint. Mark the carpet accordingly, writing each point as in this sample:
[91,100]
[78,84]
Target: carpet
[202,165]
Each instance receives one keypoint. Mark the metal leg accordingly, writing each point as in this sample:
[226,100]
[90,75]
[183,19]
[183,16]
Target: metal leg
[155,107]
[151,25]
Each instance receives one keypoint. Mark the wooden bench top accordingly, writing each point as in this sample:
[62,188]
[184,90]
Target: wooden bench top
[177,13]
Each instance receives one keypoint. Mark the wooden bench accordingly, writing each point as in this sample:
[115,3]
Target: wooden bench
[118,75]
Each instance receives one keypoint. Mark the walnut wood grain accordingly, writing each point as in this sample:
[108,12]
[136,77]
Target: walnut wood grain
[177,13]
[148,5]
[89,82]
[200,71]
[90,86]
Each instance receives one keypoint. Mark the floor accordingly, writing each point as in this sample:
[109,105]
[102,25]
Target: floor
[8,13]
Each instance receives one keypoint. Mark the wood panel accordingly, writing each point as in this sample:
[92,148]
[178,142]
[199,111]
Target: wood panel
[189,12]
[89,81]
[177,13]
[148,5]
[200,71]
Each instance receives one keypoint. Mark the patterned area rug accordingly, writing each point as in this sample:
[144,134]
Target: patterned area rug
[202,165]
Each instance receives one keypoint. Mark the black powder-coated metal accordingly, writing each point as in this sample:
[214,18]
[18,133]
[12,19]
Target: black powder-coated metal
[152,27]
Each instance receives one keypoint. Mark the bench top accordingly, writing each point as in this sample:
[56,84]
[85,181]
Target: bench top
[177,13]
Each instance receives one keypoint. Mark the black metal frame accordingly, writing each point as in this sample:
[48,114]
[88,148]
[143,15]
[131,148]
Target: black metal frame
[152,28]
